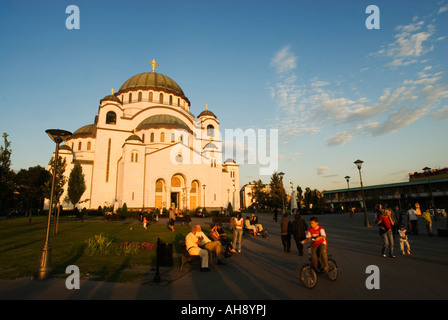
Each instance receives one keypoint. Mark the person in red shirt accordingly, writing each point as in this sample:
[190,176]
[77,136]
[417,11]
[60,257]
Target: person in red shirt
[319,246]
[385,223]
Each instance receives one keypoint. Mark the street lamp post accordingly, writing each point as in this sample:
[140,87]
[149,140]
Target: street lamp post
[347,178]
[366,220]
[203,187]
[233,195]
[427,174]
[57,136]
[281,174]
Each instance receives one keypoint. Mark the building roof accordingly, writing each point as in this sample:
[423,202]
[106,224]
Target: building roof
[86,131]
[111,97]
[390,185]
[163,120]
[206,113]
[152,80]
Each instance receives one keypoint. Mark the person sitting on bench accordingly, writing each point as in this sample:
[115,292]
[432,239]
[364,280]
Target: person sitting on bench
[192,246]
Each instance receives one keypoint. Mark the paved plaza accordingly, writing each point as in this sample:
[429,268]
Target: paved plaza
[263,271]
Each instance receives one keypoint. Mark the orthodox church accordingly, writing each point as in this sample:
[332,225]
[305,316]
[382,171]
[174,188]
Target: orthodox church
[146,149]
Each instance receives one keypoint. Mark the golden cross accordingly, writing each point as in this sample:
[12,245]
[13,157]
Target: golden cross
[154,64]
[112,90]
[206,107]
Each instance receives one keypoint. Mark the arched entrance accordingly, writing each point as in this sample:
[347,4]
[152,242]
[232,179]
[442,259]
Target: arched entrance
[160,188]
[194,195]
[177,195]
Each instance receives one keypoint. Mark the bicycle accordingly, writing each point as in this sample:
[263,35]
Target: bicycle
[309,271]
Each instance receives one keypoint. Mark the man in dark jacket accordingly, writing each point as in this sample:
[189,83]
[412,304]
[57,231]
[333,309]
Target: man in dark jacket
[299,228]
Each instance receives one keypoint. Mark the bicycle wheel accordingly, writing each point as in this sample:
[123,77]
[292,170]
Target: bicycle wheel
[333,270]
[308,276]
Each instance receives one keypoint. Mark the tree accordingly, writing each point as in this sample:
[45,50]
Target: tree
[260,195]
[59,180]
[277,191]
[76,184]
[30,187]
[6,176]
[299,197]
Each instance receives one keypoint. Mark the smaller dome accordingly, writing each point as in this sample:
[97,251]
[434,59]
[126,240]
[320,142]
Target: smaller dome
[206,113]
[210,145]
[65,147]
[111,97]
[229,161]
[84,132]
[163,120]
[134,137]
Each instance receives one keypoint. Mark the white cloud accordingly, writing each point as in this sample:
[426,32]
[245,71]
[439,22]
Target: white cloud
[321,170]
[443,9]
[339,139]
[442,113]
[312,106]
[410,43]
[284,61]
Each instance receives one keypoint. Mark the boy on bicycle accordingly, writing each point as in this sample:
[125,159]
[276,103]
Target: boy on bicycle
[317,235]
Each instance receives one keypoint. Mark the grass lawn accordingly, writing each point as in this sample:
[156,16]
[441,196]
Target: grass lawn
[21,244]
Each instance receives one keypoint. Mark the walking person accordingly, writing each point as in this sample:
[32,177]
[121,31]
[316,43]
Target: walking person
[238,225]
[428,221]
[285,231]
[172,219]
[299,228]
[412,220]
[385,224]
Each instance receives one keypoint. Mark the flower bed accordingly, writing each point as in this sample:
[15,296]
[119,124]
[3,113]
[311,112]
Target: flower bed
[104,246]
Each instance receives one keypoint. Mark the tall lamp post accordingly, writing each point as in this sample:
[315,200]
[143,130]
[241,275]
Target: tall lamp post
[427,174]
[281,174]
[57,136]
[366,220]
[203,187]
[347,178]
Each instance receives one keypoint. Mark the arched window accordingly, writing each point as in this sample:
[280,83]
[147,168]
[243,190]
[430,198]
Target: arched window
[89,145]
[178,102]
[134,156]
[175,182]
[171,100]
[130,97]
[210,130]
[111,118]
[162,137]
[173,137]
[140,96]
[161,98]
[150,96]
[151,137]
[79,145]
[159,186]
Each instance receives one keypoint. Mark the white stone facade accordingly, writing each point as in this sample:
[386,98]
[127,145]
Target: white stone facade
[147,150]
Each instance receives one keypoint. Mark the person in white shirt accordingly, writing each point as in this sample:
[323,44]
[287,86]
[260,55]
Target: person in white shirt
[209,245]
[192,245]
[238,231]
[412,220]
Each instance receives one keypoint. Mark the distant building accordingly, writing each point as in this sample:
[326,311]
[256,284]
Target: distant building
[246,193]
[426,189]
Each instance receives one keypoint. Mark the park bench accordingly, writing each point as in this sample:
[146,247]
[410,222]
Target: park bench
[186,257]
[221,220]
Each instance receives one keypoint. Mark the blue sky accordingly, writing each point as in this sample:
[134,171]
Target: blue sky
[335,90]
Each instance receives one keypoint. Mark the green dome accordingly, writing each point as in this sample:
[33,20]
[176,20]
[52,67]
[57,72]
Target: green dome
[152,80]
[163,121]
[86,131]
